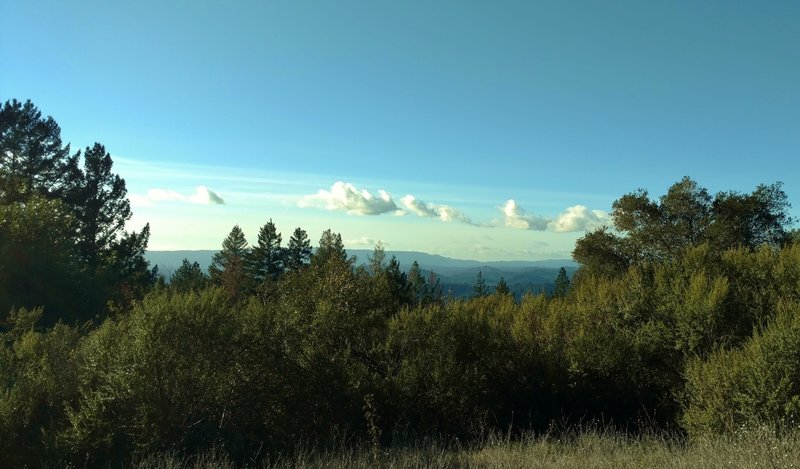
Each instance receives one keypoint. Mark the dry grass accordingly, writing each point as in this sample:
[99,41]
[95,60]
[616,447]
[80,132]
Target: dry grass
[588,449]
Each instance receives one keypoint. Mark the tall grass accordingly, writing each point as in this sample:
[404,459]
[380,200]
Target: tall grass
[588,448]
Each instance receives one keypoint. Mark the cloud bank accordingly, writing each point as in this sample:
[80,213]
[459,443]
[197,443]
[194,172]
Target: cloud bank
[202,196]
[345,197]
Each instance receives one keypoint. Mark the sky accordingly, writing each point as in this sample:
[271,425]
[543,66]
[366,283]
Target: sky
[479,130]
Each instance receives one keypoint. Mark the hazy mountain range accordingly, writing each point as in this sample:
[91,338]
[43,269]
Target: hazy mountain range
[456,275]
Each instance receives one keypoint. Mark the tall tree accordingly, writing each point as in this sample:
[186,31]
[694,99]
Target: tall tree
[561,284]
[101,206]
[32,156]
[298,252]
[188,277]
[330,247]
[479,288]
[229,266]
[417,284]
[377,261]
[266,259]
[650,230]
[502,287]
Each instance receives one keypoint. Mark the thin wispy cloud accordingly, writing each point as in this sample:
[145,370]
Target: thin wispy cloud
[202,196]
[347,198]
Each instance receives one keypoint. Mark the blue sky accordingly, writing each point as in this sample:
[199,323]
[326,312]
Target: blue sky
[560,107]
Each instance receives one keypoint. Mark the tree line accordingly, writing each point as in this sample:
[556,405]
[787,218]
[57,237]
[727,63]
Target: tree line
[684,316]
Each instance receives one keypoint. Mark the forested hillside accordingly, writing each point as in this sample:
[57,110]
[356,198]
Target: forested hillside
[684,315]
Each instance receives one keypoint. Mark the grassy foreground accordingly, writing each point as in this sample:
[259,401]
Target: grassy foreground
[592,449]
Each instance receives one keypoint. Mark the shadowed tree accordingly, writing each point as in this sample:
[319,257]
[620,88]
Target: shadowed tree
[266,259]
[298,252]
[330,247]
[502,287]
[561,284]
[188,277]
[479,288]
[229,266]
[32,157]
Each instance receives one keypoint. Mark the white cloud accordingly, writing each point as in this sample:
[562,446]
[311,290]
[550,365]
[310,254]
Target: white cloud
[202,196]
[579,218]
[442,212]
[576,218]
[517,217]
[362,241]
[346,197]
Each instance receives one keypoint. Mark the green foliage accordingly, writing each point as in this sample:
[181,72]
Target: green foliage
[479,288]
[32,157]
[561,284]
[37,381]
[228,268]
[298,252]
[502,287]
[754,385]
[188,277]
[266,259]
[687,216]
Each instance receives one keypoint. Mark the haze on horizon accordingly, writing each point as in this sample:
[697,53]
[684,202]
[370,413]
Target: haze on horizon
[490,132]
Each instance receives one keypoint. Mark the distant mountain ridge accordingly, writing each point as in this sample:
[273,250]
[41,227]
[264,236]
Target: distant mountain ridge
[456,275]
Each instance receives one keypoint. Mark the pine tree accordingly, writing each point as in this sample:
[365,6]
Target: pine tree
[330,247]
[479,289]
[502,287]
[32,158]
[561,287]
[266,259]
[417,285]
[377,260]
[298,253]
[188,277]
[229,266]
[101,206]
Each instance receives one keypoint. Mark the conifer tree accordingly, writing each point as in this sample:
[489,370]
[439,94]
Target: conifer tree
[298,252]
[229,266]
[330,247]
[266,259]
[479,289]
[502,287]
[561,287]
[188,277]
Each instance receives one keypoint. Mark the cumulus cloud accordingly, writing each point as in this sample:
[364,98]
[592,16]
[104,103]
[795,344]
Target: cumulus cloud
[202,196]
[576,218]
[517,217]
[442,212]
[579,218]
[346,197]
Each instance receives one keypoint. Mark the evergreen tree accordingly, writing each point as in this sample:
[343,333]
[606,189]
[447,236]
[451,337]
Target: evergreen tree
[266,259]
[101,206]
[417,285]
[298,252]
[561,287]
[377,260]
[330,247]
[188,277]
[229,266]
[502,287]
[32,157]
[479,289]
